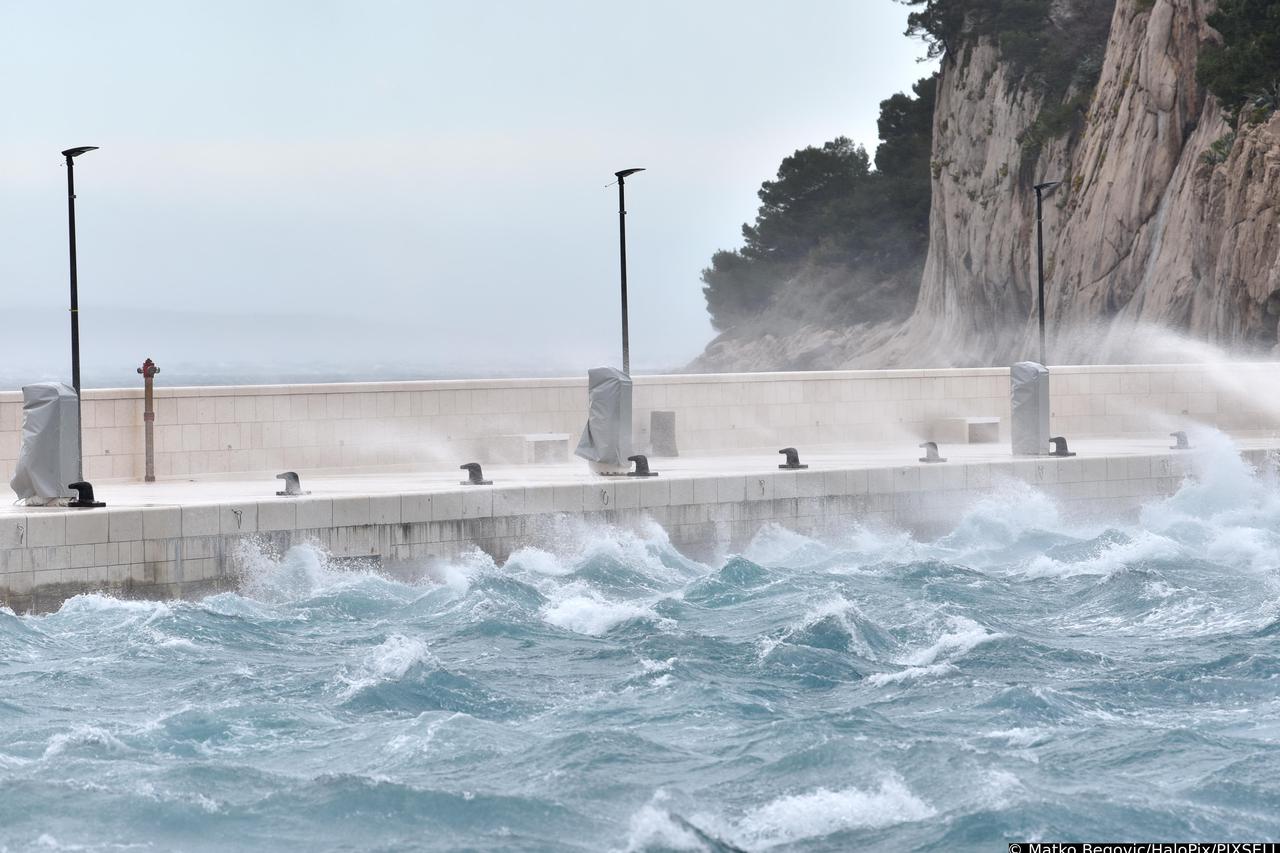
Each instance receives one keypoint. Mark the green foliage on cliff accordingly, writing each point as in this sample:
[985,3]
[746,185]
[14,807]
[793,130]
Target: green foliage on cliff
[828,209]
[1243,71]
[1054,47]
[1056,43]
[947,25]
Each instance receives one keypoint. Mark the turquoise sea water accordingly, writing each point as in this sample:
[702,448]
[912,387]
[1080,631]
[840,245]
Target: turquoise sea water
[1023,677]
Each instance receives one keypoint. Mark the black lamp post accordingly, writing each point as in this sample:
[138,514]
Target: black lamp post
[622,246]
[1041,189]
[85,490]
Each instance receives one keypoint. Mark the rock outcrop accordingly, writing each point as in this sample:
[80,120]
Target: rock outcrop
[1167,217]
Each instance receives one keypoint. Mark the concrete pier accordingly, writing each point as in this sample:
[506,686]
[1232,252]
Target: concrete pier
[186,538]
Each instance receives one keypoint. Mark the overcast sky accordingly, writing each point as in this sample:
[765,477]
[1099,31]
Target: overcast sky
[385,184]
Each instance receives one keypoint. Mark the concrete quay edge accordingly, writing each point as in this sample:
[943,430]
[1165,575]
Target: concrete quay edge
[194,547]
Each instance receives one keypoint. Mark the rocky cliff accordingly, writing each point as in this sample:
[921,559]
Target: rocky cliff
[1167,218]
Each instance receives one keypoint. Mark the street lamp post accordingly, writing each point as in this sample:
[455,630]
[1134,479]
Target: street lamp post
[622,247]
[1041,189]
[71,154]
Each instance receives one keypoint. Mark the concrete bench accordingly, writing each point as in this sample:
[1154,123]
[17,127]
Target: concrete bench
[978,430]
[530,448]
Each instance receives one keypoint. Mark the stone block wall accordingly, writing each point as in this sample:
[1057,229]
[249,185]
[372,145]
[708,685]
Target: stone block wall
[394,425]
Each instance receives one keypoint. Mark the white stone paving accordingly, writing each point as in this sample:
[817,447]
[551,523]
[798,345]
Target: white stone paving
[897,462]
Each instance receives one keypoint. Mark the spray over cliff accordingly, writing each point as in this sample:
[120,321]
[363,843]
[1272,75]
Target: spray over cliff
[1167,216]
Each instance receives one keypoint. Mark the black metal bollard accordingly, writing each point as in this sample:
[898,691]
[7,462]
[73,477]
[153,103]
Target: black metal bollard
[1059,446]
[793,459]
[931,452]
[642,466]
[84,496]
[475,477]
[292,485]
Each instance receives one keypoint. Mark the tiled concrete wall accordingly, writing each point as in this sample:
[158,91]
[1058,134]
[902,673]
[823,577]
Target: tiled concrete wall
[47,555]
[1117,400]
[229,430]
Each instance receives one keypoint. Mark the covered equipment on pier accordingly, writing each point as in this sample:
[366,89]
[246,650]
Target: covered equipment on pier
[607,438]
[49,459]
[1029,408]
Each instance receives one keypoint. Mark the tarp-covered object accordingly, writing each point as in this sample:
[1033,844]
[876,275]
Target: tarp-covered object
[49,458]
[1029,408]
[607,438]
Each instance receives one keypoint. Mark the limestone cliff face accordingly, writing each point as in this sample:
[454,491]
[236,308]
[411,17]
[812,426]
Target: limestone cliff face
[1150,228]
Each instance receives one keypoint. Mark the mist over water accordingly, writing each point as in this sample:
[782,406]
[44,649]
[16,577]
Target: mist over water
[1022,677]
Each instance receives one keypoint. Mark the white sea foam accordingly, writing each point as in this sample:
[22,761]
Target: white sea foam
[653,827]
[96,602]
[578,543]
[390,660]
[1114,558]
[876,543]
[911,673]
[657,666]
[539,562]
[1223,482]
[420,743]
[1246,547]
[640,552]
[837,607]
[1013,508]
[765,647]
[10,762]
[774,544]
[590,613]
[998,789]
[964,635]
[658,671]
[163,642]
[454,576]
[823,812]
[266,576]
[82,734]
[393,657]
[1019,736]
[458,574]
[840,609]
[164,794]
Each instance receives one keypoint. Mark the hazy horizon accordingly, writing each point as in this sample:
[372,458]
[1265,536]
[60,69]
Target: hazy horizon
[425,183]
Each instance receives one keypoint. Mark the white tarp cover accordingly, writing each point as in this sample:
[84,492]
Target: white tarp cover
[48,459]
[607,438]
[1029,408]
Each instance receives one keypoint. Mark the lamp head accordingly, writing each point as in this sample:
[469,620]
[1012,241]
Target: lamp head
[625,173]
[1046,186]
[76,152]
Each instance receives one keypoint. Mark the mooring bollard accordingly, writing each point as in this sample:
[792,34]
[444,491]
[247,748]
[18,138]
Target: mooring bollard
[292,485]
[149,371]
[475,477]
[642,466]
[84,496]
[793,459]
[1059,446]
[931,452]
[1180,441]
